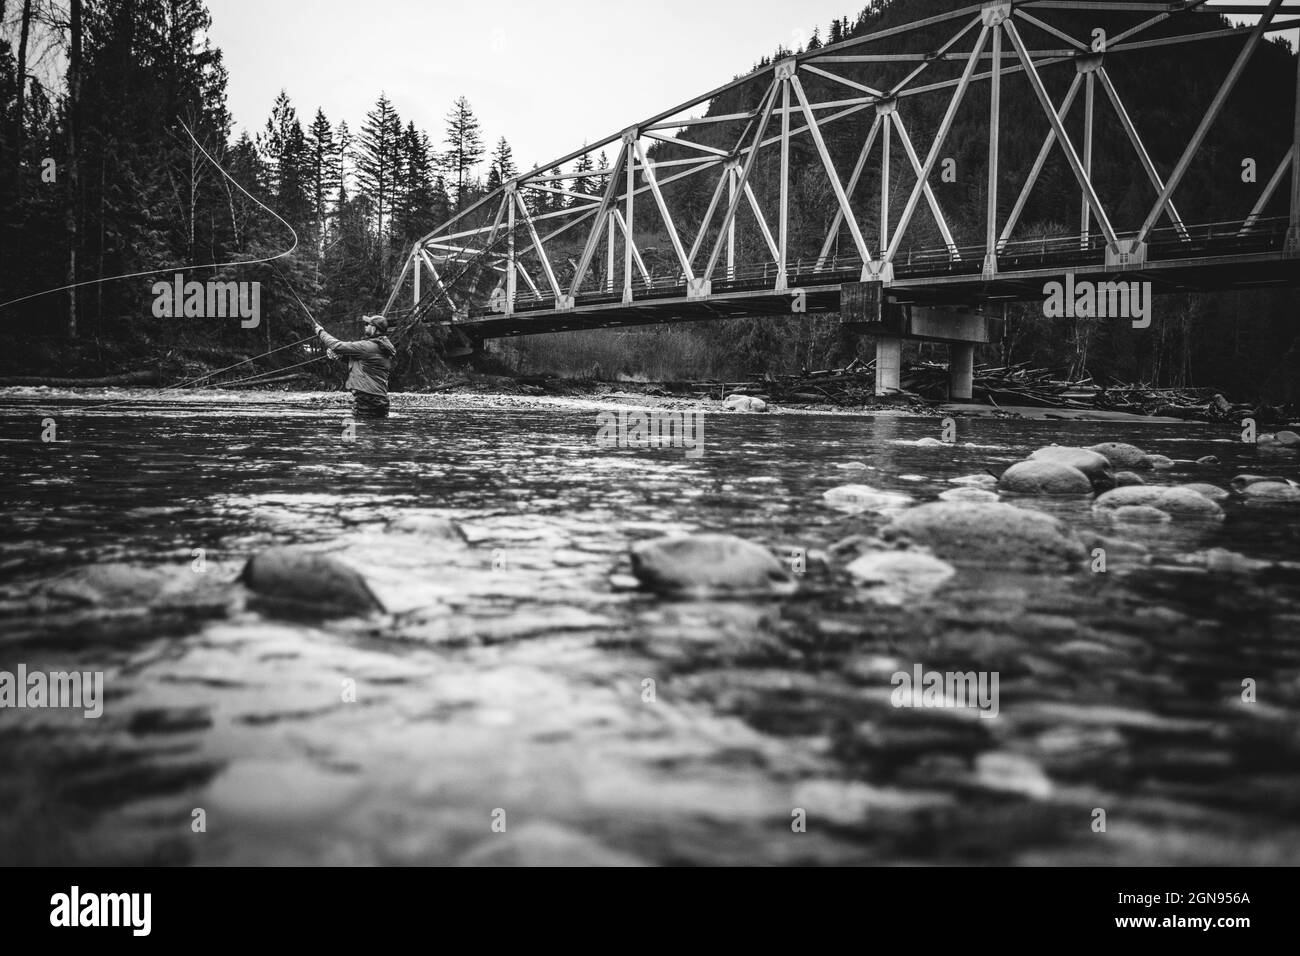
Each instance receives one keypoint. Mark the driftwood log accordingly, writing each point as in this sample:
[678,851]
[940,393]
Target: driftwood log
[996,386]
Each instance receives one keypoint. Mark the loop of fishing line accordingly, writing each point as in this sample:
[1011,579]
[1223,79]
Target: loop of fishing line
[209,265]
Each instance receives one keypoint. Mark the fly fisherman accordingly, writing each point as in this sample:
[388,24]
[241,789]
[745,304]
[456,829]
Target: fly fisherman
[369,361]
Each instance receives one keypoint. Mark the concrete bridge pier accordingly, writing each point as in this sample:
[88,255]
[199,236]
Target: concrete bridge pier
[864,309]
[889,364]
[961,371]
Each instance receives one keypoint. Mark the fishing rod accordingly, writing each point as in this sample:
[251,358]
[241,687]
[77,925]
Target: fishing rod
[398,334]
[420,311]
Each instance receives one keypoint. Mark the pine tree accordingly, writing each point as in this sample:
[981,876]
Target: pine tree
[324,170]
[556,202]
[584,184]
[503,166]
[465,148]
[419,209]
[346,160]
[601,181]
[378,159]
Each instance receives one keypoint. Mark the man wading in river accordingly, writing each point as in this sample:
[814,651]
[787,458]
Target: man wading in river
[369,361]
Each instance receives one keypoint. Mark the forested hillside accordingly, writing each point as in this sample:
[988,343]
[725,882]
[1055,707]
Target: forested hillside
[99,178]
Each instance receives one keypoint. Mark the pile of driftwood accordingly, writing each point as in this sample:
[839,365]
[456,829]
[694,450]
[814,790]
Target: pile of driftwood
[1011,385]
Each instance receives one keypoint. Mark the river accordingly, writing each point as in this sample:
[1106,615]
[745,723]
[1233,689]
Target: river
[522,703]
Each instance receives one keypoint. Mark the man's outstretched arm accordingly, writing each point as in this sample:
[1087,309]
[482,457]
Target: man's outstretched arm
[339,347]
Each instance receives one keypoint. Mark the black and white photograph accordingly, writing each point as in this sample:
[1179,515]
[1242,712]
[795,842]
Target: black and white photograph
[728,433]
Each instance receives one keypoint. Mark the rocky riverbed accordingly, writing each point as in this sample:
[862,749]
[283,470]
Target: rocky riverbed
[475,633]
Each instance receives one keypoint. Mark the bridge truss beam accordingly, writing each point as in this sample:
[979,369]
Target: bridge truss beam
[671,160]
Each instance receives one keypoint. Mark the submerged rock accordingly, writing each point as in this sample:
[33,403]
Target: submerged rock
[112,585]
[967,494]
[930,443]
[1223,561]
[1208,460]
[744,403]
[1119,454]
[542,843]
[1140,513]
[1157,461]
[1012,773]
[993,534]
[1095,466]
[1181,500]
[430,527]
[898,576]
[975,481]
[1124,549]
[1213,492]
[1044,478]
[161,589]
[858,498]
[1271,491]
[1177,500]
[1283,441]
[1241,482]
[708,563]
[299,576]
[1124,479]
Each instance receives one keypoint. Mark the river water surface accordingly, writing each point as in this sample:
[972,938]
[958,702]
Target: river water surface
[518,680]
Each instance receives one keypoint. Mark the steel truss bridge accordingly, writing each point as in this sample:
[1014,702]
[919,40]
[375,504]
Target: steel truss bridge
[516,233]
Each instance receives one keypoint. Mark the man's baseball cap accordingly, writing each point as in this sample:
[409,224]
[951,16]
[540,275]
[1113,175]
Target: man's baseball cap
[378,321]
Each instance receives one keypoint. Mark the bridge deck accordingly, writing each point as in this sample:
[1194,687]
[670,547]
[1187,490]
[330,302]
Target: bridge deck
[1198,262]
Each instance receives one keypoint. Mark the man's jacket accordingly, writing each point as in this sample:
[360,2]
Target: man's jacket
[369,361]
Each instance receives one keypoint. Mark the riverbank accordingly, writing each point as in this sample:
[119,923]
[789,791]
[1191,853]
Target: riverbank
[594,399]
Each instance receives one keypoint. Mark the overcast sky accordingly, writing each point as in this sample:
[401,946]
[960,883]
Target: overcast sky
[546,75]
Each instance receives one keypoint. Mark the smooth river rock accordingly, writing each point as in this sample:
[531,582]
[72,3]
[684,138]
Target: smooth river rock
[744,403]
[1142,514]
[1119,454]
[429,527]
[1096,466]
[1213,492]
[1241,482]
[1125,478]
[309,578]
[1171,500]
[1223,561]
[967,494]
[898,576]
[1044,478]
[705,563]
[993,534]
[858,498]
[1271,491]
[543,843]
